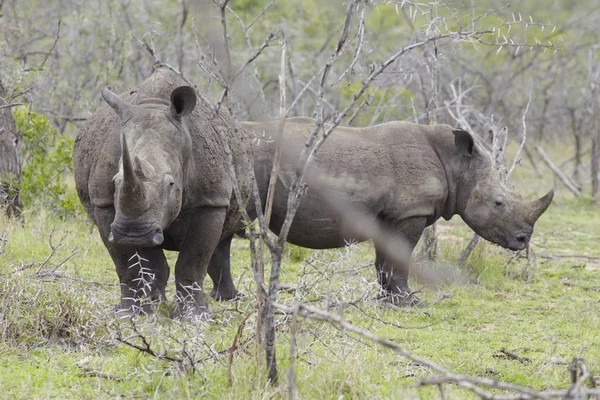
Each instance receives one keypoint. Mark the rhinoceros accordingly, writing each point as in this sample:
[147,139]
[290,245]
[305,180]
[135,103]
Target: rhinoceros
[152,171]
[404,175]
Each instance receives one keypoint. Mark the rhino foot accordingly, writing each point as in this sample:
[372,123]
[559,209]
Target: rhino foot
[226,295]
[134,308]
[191,311]
[403,299]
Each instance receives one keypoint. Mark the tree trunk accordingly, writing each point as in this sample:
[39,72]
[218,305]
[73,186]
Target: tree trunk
[595,160]
[10,167]
[578,146]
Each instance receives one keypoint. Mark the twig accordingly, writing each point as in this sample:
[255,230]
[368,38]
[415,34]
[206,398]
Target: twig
[52,250]
[234,346]
[470,247]
[145,346]
[361,39]
[559,174]
[551,256]
[254,56]
[507,354]
[2,107]
[86,372]
[41,67]
[75,279]
[58,265]
[292,391]
[3,238]
[524,133]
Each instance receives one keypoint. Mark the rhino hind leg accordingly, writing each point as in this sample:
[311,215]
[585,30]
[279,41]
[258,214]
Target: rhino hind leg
[219,271]
[392,278]
[196,250]
[143,272]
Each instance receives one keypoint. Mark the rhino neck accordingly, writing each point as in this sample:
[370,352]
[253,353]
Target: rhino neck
[442,143]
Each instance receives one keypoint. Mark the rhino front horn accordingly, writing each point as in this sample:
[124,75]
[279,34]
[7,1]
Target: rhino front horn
[133,192]
[121,107]
[540,205]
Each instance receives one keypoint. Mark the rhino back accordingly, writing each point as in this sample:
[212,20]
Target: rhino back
[396,159]
[390,169]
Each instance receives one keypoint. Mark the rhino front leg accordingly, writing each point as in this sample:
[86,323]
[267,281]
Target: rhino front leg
[196,250]
[143,272]
[393,278]
[219,271]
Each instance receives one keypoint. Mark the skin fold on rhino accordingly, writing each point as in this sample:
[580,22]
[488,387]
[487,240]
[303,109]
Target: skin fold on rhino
[152,172]
[402,175]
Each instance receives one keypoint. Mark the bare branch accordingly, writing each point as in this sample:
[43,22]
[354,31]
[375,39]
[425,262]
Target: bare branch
[41,66]
[523,134]
[559,174]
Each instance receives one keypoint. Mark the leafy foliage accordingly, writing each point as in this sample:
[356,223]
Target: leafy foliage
[46,156]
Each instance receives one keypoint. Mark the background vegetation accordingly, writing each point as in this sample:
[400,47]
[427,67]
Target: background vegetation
[503,316]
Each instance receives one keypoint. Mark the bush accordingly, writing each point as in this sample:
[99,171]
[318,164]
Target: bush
[46,156]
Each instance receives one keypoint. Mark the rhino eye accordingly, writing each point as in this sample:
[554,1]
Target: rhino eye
[499,203]
[170,181]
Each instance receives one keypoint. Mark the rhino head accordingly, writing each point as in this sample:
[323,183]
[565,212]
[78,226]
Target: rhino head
[155,150]
[486,205]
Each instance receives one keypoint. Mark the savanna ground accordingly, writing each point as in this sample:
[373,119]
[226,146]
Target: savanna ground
[60,339]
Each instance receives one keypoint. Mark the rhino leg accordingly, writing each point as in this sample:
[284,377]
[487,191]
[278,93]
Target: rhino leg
[196,250]
[219,271]
[143,272]
[394,278]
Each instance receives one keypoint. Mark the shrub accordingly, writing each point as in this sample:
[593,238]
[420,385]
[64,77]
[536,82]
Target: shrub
[46,156]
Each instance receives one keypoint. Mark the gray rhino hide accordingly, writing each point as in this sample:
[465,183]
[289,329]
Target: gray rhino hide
[207,182]
[403,175]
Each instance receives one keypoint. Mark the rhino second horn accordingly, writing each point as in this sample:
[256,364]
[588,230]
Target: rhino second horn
[539,206]
[123,109]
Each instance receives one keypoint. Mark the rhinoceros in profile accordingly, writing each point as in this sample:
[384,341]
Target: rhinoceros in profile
[404,175]
[152,172]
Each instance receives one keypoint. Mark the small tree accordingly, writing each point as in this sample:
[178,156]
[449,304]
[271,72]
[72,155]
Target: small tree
[10,168]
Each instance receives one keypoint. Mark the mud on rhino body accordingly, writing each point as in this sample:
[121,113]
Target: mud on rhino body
[152,173]
[404,175]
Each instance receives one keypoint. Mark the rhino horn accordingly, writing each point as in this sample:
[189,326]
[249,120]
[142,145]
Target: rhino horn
[133,192]
[537,207]
[123,109]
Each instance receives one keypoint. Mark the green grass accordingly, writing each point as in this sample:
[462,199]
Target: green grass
[59,338]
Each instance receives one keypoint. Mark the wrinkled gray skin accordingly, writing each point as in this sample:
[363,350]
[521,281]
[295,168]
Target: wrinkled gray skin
[152,173]
[403,174]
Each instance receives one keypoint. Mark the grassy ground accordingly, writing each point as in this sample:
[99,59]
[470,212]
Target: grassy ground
[59,339]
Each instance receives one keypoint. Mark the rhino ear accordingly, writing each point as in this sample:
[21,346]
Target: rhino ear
[464,142]
[183,101]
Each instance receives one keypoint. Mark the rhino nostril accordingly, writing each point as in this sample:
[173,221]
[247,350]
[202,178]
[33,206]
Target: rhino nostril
[522,237]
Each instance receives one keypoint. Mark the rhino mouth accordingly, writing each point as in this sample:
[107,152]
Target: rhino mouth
[146,235]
